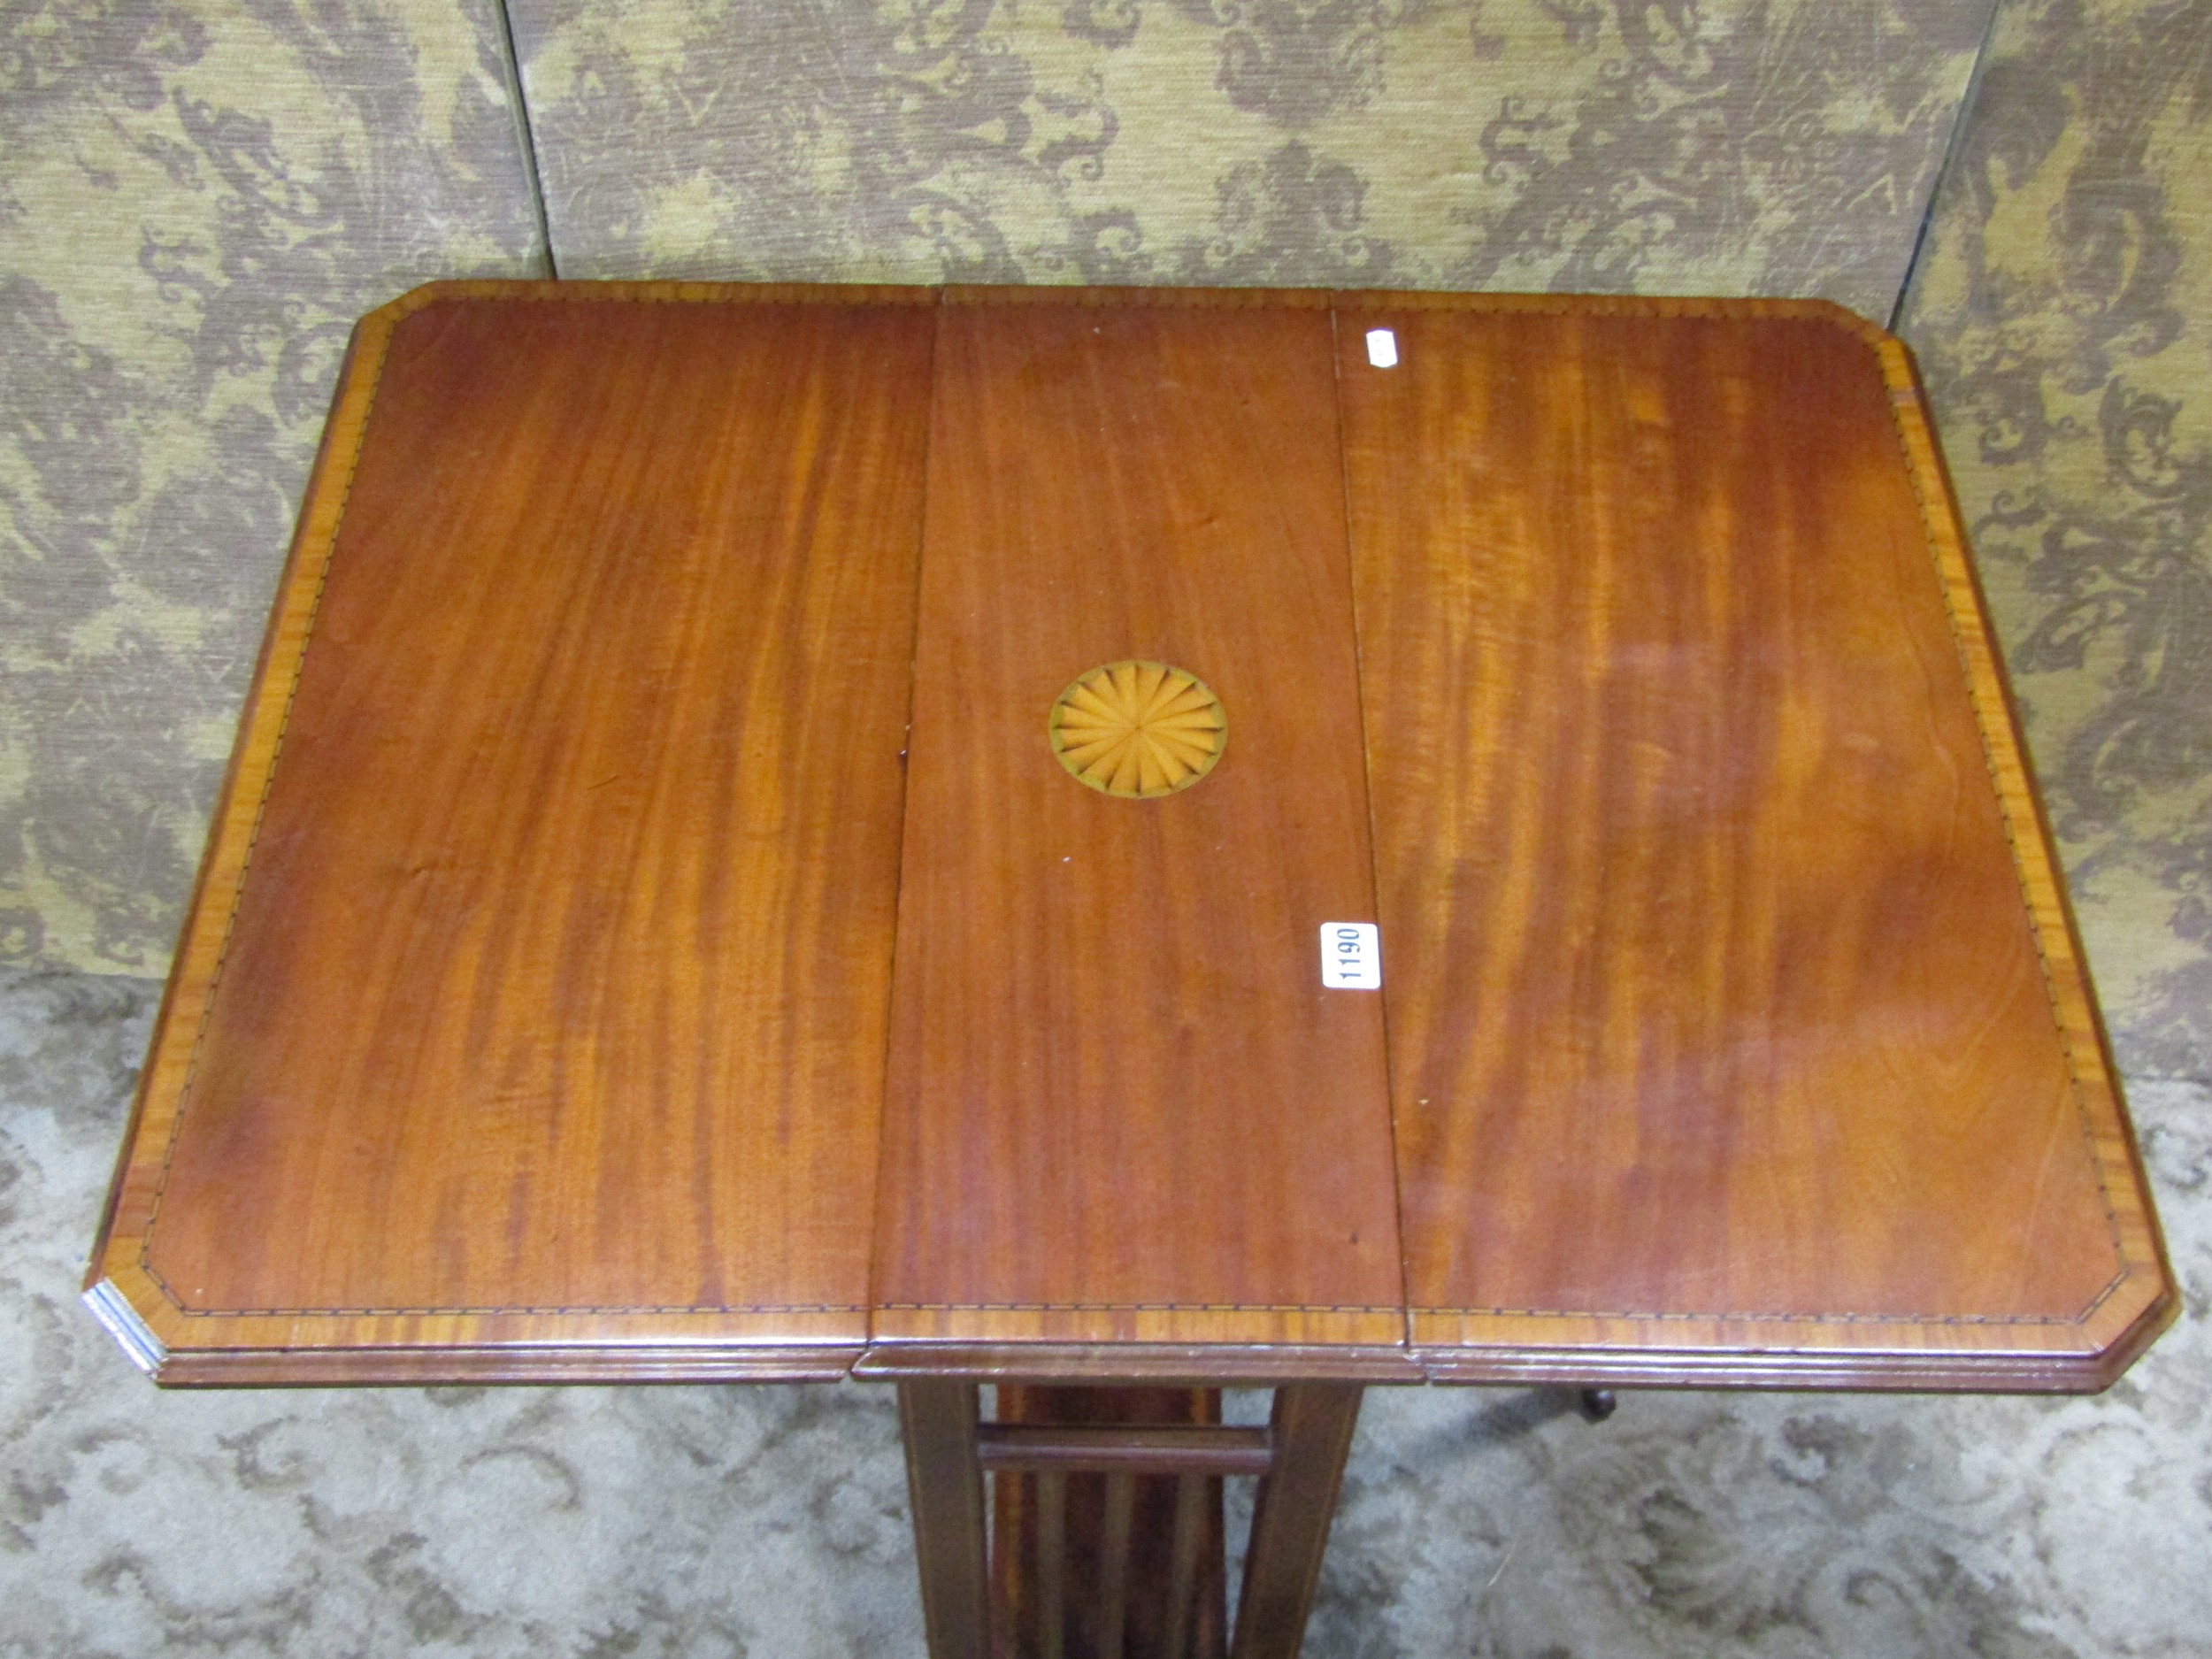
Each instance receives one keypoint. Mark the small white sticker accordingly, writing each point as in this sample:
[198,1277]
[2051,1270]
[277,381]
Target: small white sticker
[1351,957]
[1382,348]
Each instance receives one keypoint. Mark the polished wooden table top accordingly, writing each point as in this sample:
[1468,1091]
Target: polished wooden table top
[683,906]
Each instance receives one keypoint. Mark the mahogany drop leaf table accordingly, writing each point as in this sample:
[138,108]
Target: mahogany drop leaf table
[1117,843]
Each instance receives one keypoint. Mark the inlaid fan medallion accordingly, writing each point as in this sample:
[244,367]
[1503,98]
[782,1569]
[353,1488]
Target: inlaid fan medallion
[1138,730]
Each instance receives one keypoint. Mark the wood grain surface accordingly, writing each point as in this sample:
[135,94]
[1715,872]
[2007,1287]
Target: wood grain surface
[1122,1106]
[579,986]
[552,1011]
[1720,1028]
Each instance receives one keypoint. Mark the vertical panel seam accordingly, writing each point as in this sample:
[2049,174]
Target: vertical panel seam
[872,1290]
[1952,145]
[526,134]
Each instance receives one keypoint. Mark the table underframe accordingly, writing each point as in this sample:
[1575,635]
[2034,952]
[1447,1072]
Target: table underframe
[1103,1536]
[1080,1574]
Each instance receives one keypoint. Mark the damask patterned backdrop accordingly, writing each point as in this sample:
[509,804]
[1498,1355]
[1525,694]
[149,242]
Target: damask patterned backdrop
[200,197]
[1746,146]
[2062,312]
[197,196]
[196,202]
[199,200]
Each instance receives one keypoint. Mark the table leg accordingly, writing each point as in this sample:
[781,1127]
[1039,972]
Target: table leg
[1313,1424]
[1197,1508]
[945,1484]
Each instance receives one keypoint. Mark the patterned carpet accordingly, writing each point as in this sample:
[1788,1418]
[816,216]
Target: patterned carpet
[594,1523]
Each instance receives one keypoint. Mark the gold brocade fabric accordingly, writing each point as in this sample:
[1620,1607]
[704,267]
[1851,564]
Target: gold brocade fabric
[1729,148]
[198,200]
[2063,318]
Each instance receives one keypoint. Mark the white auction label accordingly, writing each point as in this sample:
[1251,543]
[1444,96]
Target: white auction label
[1351,955]
[1382,348]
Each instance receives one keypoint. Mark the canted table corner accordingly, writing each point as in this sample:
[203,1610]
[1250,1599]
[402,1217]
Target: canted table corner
[789,832]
